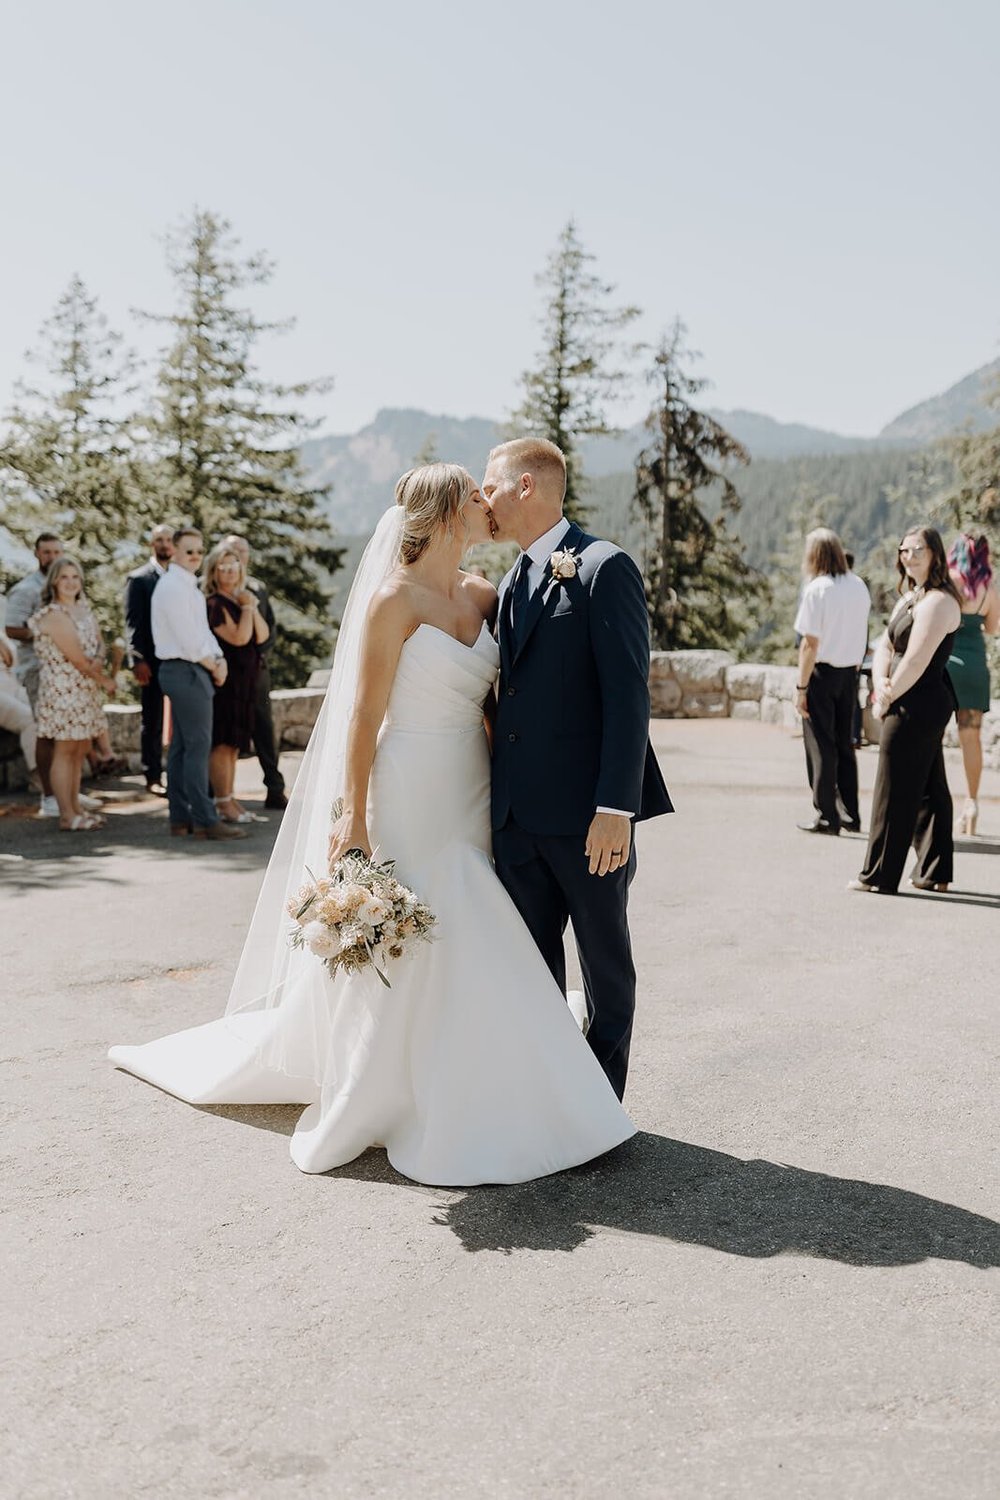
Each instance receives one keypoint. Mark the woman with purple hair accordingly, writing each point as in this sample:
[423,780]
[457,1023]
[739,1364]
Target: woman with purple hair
[971,572]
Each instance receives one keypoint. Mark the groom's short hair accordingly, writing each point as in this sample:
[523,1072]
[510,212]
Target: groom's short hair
[531,455]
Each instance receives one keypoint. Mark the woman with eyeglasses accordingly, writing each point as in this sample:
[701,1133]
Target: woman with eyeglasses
[914,699]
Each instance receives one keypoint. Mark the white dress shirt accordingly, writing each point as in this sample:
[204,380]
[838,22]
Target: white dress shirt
[540,551]
[835,611]
[179,618]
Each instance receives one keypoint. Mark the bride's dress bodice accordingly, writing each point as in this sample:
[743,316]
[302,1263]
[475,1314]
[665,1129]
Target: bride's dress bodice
[441,684]
[431,778]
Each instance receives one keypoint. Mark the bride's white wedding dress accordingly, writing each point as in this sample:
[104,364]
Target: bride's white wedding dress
[470,1069]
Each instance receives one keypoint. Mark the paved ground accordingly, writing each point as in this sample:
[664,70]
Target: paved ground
[784,1287]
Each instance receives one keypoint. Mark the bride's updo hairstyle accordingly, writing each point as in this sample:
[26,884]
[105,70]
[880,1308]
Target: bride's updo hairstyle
[431,496]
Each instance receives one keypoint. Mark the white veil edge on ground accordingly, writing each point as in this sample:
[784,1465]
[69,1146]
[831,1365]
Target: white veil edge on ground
[301,844]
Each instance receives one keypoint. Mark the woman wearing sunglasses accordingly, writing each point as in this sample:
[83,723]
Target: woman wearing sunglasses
[914,699]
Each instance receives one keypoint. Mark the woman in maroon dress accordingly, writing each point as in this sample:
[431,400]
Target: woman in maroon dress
[236,620]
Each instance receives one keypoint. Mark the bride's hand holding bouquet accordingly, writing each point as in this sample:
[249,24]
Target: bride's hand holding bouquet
[348,831]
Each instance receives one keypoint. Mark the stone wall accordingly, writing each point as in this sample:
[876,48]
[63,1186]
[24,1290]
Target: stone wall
[683,685]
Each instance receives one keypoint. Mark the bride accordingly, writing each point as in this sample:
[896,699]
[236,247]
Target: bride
[471,1068]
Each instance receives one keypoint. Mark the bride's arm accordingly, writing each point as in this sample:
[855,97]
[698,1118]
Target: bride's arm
[390,621]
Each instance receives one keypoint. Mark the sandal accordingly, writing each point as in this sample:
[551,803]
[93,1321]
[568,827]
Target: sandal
[242,816]
[82,823]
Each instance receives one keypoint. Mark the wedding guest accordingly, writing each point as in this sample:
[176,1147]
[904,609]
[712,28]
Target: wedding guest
[235,617]
[15,710]
[263,722]
[23,601]
[139,588]
[192,666]
[914,699]
[832,621]
[971,572]
[72,685]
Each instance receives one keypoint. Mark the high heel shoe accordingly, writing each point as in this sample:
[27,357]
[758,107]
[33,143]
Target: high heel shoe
[929,885]
[966,822]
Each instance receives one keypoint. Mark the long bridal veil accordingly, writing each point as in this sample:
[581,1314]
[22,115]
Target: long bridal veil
[268,967]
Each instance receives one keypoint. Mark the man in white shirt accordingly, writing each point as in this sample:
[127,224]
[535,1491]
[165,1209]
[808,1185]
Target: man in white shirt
[192,666]
[832,621]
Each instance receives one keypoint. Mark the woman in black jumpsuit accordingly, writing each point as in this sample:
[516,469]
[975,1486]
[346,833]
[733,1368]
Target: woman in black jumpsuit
[915,700]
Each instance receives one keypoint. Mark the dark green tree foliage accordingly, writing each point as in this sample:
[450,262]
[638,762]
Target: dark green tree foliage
[226,441]
[578,376]
[698,583]
[975,499]
[67,461]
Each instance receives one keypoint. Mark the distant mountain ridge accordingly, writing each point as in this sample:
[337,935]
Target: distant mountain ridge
[362,467]
[966,402]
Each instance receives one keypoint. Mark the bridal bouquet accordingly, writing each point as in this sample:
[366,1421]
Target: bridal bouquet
[359,915]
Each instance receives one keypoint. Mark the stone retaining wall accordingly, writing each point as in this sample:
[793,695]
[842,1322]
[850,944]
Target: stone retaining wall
[683,685]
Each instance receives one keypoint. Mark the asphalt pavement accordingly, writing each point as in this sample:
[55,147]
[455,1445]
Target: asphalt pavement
[784,1286]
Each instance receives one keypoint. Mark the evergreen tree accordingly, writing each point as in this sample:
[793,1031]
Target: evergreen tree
[67,461]
[975,499]
[578,375]
[698,583]
[427,453]
[226,439]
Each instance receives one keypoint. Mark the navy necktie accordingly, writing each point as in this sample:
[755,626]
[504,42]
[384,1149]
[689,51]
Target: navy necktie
[519,598]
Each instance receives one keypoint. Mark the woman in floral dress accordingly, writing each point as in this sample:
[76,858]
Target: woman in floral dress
[72,685]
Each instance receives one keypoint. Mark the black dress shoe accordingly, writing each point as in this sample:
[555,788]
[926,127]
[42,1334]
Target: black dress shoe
[277,800]
[818,825]
[852,827]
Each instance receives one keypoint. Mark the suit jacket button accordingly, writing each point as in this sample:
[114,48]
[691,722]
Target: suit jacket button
[512,738]
[511,692]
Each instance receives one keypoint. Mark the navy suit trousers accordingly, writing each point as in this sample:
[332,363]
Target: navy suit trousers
[547,878]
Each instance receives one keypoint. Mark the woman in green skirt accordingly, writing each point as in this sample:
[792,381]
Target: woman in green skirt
[972,574]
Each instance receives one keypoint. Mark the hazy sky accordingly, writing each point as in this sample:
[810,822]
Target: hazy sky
[811,187]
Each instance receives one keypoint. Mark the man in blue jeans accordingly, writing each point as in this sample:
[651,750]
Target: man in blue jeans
[192,666]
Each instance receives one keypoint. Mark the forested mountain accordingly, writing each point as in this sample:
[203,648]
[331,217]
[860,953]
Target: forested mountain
[792,465]
[967,402]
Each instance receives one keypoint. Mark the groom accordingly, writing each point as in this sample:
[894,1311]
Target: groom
[572,765]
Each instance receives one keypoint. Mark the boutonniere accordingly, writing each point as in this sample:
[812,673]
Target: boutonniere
[564,564]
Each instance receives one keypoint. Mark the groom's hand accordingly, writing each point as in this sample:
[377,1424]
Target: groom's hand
[609,842]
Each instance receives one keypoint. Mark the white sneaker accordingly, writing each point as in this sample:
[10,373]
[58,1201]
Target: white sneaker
[90,804]
[48,807]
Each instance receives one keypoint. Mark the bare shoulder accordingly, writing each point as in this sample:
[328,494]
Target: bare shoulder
[482,592]
[942,608]
[394,607]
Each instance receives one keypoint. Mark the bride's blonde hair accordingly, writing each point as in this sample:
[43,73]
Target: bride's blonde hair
[430,496]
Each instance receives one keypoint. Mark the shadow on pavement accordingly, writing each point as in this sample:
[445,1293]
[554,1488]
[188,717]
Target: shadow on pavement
[678,1191]
[977,846]
[34,854]
[673,1190]
[954,896]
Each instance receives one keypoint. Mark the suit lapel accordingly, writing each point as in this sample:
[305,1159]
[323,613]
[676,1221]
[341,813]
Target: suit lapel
[504,633]
[536,604]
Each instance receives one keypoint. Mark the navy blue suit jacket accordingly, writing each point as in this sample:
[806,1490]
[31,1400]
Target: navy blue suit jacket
[139,588]
[572,731]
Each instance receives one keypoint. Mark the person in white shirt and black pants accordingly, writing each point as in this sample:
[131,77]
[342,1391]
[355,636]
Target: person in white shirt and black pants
[191,667]
[832,621]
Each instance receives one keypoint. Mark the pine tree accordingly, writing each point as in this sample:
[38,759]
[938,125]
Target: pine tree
[975,500]
[226,439]
[67,461]
[578,376]
[698,582]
